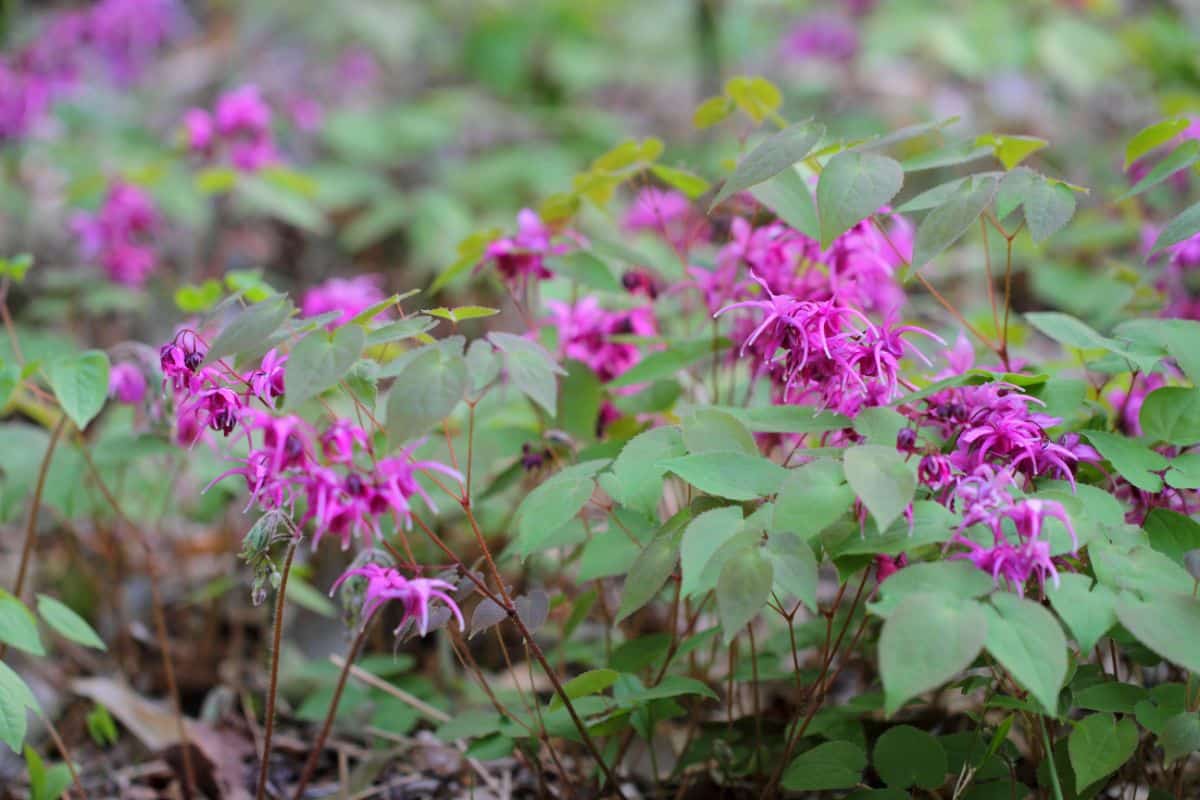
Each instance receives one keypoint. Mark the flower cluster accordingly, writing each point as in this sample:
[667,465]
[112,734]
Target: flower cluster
[1018,551]
[822,37]
[119,236]
[384,584]
[350,296]
[521,258]
[240,126]
[122,35]
[669,214]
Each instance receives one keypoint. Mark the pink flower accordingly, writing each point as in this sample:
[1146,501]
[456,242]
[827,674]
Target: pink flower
[350,296]
[127,383]
[396,483]
[521,257]
[199,130]
[339,440]
[887,566]
[266,382]
[670,214]
[585,332]
[1016,562]
[822,37]
[414,594]
[119,235]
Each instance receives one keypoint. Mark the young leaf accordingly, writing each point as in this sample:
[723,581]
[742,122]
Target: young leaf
[690,184]
[530,368]
[882,479]
[743,589]
[925,642]
[1152,137]
[63,619]
[944,225]
[319,361]
[1028,641]
[853,186]
[775,154]
[1011,150]
[80,383]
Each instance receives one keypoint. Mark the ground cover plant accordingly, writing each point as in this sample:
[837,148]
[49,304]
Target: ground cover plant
[382,424]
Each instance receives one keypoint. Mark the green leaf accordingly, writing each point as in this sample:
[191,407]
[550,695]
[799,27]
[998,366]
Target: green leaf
[743,589]
[1011,150]
[1088,610]
[637,475]
[1136,462]
[319,361]
[530,368]
[689,183]
[591,682]
[1152,137]
[730,474]
[958,580]
[400,330]
[16,267]
[787,419]
[811,498]
[775,154]
[831,765]
[1172,533]
[586,269]
[788,195]
[1169,624]
[950,155]
[216,180]
[653,566]
[905,756]
[1048,207]
[1171,414]
[18,627]
[15,700]
[702,539]
[249,329]
[63,619]
[670,686]
[462,313]
[1181,157]
[45,784]
[305,595]
[709,429]
[555,502]
[1028,641]
[712,111]
[582,394]
[927,640]
[795,567]
[80,383]
[882,479]
[193,299]
[428,390]
[1183,226]
[1014,187]
[1099,745]
[665,363]
[1181,736]
[853,186]
[263,196]
[1110,696]
[944,225]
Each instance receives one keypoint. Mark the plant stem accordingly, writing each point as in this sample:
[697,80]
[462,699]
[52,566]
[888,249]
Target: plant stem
[31,523]
[319,744]
[1054,784]
[273,689]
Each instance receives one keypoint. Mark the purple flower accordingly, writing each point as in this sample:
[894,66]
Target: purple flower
[350,296]
[266,382]
[128,33]
[339,440]
[199,130]
[180,358]
[1028,557]
[119,236]
[585,332]
[822,37]
[670,214]
[127,383]
[415,594]
[396,483]
[521,258]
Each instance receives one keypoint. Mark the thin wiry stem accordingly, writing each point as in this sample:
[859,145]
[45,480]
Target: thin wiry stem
[273,688]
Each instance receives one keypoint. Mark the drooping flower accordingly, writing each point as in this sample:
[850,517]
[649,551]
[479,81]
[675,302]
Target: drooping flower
[350,296]
[670,214]
[267,382]
[1015,561]
[586,331]
[396,483]
[522,257]
[415,595]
